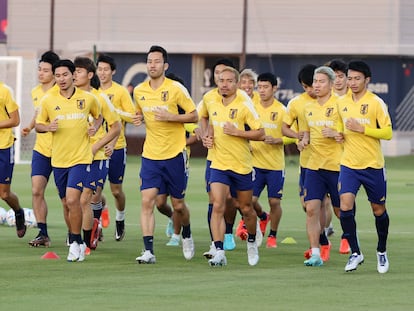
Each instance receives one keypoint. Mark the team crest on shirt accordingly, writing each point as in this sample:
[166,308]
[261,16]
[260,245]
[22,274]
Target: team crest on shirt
[164,96]
[233,113]
[273,116]
[329,112]
[80,103]
[364,109]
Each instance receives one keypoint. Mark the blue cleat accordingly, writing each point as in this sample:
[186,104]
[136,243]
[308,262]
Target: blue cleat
[229,243]
[314,261]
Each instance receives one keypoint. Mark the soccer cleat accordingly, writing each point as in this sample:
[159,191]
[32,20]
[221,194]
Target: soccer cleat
[241,230]
[101,236]
[146,258]
[188,248]
[259,235]
[383,263]
[353,262]
[344,247]
[329,231]
[313,261]
[174,241]
[169,230]
[67,241]
[308,253]
[325,252]
[95,234]
[119,230]
[263,224]
[105,217]
[271,242]
[229,243]
[87,251]
[252,253]
[82,252]
[20,224]
[211,252]
[218,260]
[74,252]
[40,240]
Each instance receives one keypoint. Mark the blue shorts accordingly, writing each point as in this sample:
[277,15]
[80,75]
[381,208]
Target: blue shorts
[117,164]
[302,174]
[236,182]
[6,165]
[207,175]
[41,165]
[271,179]
[170,176]
[91,178]
[320,182]
[374,182]
[103,168]
[70,177]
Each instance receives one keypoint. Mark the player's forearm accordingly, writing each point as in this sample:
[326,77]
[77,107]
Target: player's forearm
[381,133]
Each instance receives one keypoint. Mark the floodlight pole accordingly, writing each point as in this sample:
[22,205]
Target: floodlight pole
[244,35]
[52,25]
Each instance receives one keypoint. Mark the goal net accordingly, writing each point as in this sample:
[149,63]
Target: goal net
[20,74]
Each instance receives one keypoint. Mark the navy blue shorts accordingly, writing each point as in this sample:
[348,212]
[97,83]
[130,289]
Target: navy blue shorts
[41,165]
[271,179]
[6,165]
[236,182]
[117,164]
[320,182]
[70,177]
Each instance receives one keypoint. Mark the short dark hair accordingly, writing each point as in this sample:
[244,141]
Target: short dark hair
[224,61]
[157,48]
[106,59]
[338,65]
[267,77]
[174,77]
[64,63]
[49,57]
[86,63]
[360,66]
[305,74]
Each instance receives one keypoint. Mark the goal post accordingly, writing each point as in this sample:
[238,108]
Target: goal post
[19,74]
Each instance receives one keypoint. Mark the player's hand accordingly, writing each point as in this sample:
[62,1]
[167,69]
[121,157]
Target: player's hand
[197,133]
[353,125]
[53,126]
[230,129]
[162,115]
[25,131]
[208,141]
[339,137]
[328,132]
[109,150]
[137,119]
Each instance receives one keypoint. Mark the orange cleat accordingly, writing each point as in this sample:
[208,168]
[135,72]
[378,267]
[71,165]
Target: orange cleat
[308,253]
[344,247]
[241,230]
[271,242]
[325,252]
[87,251]
[263,223]
[105,217]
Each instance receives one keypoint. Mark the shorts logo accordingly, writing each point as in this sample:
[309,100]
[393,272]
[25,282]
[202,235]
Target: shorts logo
[233,113]
[329,112]
[364,109]
[273,116]
[164,96]
[80,103]
[80,185]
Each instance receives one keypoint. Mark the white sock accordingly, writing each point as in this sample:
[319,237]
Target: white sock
[316,251]
[120,215]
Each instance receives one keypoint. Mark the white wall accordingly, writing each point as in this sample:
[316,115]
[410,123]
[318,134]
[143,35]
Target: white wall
[215,26]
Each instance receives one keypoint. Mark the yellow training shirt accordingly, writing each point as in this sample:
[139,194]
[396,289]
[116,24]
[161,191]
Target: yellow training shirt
[164,140]
[270,156]
[110,117]
[7,105]
[230,152]
[43,143]
[70,143]
[362,151]
[325,152]
[124,106]
[294,115]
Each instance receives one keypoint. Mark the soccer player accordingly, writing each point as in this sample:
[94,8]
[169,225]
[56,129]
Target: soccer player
[122,101]
[103,142]
[269,155]
[365,122]
[213,96]
[231,167]
[9,118]
[41,162]
[322,168]
[65,114]
[164,156]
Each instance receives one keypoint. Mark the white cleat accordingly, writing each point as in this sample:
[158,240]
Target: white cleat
[353,262]
[188,248]
[218,260]
[146,258]
[252,253]
[383,264]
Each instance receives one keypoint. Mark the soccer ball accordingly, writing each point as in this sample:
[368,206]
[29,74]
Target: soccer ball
[29,217]
[3,215]
[11,218]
